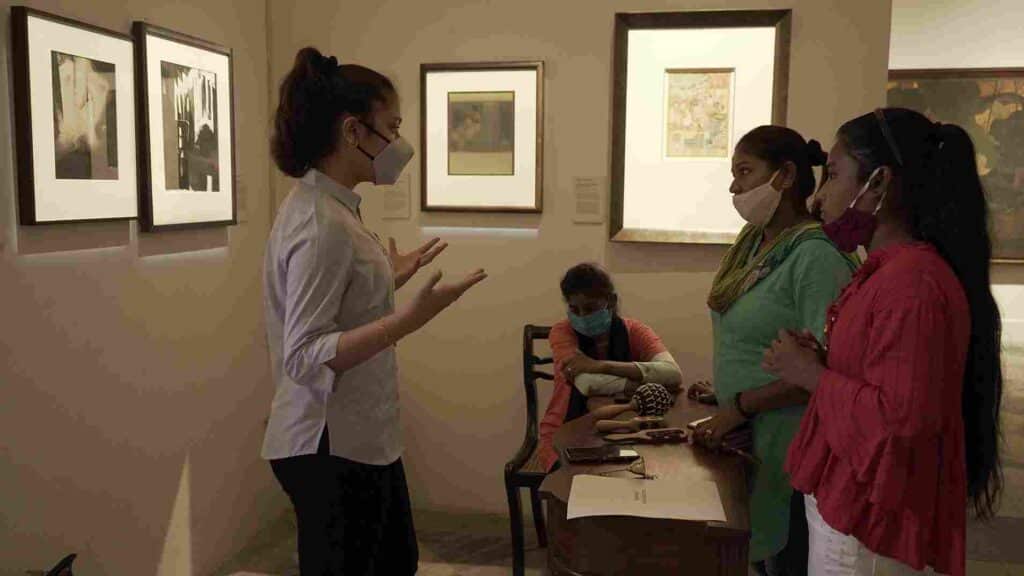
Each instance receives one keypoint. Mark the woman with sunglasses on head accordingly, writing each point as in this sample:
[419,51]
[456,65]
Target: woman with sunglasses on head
[782,272]
[902,428]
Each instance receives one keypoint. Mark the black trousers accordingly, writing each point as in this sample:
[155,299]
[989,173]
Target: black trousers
[354,519]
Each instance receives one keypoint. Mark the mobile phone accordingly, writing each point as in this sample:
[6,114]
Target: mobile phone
[621,398]
[693,425]
[600,454]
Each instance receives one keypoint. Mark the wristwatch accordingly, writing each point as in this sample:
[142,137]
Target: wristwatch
[739,407]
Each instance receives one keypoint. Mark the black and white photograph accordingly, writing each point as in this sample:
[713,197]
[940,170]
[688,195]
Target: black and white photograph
[186,129]
[74,120]
[189,99]
[84,118]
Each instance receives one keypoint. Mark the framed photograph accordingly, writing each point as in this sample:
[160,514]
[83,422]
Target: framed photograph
[686,87]
[186,130]
[74,120]
[989,105]
[482,137]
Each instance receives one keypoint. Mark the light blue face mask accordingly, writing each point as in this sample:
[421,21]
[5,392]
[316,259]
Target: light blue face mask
[592,325]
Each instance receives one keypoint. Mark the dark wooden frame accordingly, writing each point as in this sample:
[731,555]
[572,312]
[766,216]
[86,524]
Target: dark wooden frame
[536,66]
[23,110]
[140,30]
[954,74]
[516,477]
[781,20]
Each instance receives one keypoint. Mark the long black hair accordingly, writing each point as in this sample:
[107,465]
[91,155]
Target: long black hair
[777,145]
[314,97]
[942,201]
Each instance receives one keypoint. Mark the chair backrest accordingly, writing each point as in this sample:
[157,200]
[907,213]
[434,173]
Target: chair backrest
[531,374]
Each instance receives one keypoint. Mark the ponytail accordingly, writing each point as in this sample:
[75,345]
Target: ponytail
[954,218]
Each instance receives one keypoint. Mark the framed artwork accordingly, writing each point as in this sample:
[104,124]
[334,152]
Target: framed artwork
[482,137]
[989,105]
[186,130]
[698,108]
[74,120]
[686,87]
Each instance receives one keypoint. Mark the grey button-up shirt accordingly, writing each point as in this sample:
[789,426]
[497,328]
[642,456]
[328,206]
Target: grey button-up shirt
[325,273]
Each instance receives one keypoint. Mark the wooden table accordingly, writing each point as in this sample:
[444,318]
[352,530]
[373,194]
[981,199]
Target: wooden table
[640,546]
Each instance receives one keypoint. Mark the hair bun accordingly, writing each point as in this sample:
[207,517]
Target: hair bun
[328,64]
[815,154]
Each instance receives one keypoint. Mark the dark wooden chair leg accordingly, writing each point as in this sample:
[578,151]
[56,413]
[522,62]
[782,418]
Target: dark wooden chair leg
[515,511]
[538,518]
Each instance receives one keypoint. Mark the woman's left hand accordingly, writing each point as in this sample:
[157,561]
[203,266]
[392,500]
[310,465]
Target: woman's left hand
[791,361]
[711,433]
[405,265]
[580,363]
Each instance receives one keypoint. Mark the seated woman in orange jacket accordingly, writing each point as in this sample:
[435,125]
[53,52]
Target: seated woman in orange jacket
[598,353]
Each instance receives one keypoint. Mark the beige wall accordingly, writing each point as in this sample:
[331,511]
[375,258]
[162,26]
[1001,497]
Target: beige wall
[462,395]
[132,366]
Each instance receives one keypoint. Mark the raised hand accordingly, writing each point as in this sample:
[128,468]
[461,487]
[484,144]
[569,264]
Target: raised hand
[434,297]
[406,265]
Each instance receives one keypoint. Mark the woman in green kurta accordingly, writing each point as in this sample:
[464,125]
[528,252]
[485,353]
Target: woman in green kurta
[781,274]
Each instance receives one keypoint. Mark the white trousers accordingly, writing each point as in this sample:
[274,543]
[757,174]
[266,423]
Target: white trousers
[835,554]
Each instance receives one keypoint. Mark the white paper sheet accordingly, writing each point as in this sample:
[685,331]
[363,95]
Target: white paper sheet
[672,499]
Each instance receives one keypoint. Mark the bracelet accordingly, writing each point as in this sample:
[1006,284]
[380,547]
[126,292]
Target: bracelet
[739,407]
[387,333]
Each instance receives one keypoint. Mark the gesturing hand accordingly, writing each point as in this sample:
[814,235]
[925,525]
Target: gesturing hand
[434,297]
[406,265]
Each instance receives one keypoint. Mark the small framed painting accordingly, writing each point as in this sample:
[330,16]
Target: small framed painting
[482,137]
[686,87]
[186,130]
[74,120]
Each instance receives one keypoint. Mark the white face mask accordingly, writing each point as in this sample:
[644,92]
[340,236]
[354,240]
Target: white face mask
[389,162]
[758,205]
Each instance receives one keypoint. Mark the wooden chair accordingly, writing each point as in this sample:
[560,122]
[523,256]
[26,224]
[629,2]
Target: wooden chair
[525,469]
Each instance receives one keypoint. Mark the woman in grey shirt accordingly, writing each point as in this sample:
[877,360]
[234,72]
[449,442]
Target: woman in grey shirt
[333,437]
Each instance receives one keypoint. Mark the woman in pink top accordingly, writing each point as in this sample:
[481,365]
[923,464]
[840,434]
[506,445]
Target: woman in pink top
[597,352]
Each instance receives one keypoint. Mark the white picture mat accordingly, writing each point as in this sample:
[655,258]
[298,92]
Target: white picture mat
[516,191]
[689,194]
[182,206]
[68,199]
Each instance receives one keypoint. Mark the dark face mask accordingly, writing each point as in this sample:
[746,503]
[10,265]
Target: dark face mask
[854,227]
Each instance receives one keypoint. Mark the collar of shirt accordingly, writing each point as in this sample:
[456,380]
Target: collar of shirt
[878,258]
[321,181]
